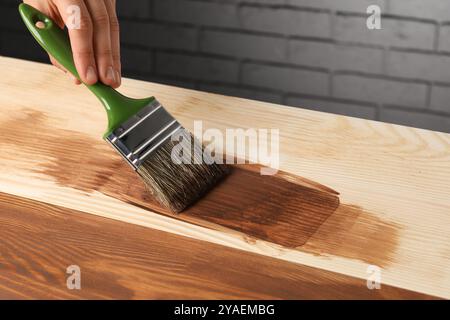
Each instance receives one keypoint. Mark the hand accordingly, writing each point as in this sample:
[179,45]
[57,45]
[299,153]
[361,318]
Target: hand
[95,44]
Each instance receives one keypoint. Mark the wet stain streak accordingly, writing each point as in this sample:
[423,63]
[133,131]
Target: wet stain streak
[354,233]
[270,208]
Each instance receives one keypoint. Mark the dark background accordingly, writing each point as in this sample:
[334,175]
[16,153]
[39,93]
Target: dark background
[317,54]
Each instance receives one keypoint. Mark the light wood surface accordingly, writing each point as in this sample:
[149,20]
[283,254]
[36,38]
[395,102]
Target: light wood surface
[352,192]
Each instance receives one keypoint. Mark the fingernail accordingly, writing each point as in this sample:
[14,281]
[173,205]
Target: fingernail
[110,75]
[91,76]
[119,79]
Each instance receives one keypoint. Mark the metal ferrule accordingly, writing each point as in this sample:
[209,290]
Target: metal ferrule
[143,133]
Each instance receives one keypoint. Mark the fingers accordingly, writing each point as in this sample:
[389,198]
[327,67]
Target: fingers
[81,36]
[48,8]
[60,67]
[57,64]
[102,41]
[115,38]
[95,40]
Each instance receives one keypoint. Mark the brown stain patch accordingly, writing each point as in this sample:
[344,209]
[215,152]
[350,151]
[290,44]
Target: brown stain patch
[354,233]
[284,209]
[270,208]
[74,159]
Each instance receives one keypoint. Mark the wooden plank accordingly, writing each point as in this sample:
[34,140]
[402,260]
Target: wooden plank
[123,261]
[392,208]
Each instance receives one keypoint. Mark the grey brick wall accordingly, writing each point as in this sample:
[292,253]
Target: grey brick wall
[316,54]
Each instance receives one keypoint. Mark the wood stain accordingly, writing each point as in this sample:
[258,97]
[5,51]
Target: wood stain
[140,263]
[284,209]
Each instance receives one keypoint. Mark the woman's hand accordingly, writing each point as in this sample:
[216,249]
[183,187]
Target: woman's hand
[95,41]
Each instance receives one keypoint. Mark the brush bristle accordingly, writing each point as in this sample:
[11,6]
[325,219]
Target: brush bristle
[176,186]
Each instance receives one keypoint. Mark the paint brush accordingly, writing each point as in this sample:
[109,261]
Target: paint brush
[141,130]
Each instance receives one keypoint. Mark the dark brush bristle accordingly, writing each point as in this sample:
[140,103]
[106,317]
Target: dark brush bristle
[176,186]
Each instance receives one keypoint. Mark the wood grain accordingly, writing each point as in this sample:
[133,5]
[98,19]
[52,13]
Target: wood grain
[122,261]
[350,192]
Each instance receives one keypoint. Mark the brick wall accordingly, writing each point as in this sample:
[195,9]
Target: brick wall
[316,54]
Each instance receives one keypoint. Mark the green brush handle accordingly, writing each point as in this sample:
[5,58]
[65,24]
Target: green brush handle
[56,42]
